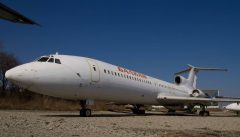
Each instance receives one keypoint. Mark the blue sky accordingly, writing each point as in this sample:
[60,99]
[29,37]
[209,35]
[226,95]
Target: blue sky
[154,37]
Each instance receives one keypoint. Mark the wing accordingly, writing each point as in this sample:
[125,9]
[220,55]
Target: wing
[13,16]
[174,100]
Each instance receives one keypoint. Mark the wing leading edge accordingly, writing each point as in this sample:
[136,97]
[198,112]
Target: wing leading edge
[14,16]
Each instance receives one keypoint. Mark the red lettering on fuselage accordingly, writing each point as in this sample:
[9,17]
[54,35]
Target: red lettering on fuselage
[120,69]
[124,70]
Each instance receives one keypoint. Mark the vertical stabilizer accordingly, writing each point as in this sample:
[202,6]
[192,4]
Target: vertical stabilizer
[192,77]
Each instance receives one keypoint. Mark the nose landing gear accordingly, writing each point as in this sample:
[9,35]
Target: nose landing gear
[84,111]
[203,112]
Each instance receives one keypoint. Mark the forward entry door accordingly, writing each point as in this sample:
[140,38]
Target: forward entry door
[95,73]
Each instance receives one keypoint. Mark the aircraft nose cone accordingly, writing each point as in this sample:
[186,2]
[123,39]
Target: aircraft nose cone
[21,76]
[13,74]
[8,74]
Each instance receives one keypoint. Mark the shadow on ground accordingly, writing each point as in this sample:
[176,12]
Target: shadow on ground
[129,114]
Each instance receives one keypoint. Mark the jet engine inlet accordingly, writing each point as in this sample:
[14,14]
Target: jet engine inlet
[179,80]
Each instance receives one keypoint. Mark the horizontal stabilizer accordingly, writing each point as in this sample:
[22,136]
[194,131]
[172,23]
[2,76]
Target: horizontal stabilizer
[199,69]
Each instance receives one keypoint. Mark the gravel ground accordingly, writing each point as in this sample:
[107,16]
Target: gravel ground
[110,124]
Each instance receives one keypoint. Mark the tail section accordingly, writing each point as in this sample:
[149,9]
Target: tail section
[192,77]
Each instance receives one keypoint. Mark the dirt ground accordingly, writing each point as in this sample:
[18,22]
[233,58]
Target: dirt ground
[111,124]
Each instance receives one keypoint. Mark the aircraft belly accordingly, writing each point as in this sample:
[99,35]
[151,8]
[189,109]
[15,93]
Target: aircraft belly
[122,93]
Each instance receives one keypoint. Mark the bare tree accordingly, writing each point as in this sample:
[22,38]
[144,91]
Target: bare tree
[7,61]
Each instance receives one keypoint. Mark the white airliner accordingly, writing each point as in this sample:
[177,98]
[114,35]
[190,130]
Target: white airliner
[235,107]
[83,79]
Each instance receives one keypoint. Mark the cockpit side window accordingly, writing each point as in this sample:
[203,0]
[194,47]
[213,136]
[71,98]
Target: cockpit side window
[43,59]
[51,60]
[57,61]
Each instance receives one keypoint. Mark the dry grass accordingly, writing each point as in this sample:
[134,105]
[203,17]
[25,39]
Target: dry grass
[36,102]
[30,101]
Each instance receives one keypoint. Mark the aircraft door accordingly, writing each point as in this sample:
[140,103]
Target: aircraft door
[95,73]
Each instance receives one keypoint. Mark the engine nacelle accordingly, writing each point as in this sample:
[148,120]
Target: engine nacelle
[180,80]
[197,93]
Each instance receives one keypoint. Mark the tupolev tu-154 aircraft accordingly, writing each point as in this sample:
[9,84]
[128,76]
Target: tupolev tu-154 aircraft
[86,79]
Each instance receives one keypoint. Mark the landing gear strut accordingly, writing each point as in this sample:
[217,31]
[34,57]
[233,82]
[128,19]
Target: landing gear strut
[203,112]
[138,109]
[191,110]
[84,111]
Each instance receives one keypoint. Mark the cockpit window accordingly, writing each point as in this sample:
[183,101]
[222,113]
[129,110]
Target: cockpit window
[51,60]
[43,59]
[57,61]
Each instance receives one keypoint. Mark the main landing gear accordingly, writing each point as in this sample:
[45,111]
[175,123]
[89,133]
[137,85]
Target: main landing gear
[171,111]
[138,109]
[203,112]
[84,111]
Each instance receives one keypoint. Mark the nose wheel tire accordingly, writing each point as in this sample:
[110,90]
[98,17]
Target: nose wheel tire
[85,113]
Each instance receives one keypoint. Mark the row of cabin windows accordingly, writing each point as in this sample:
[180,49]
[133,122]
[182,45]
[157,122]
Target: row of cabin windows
[126,76]
[136,79]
